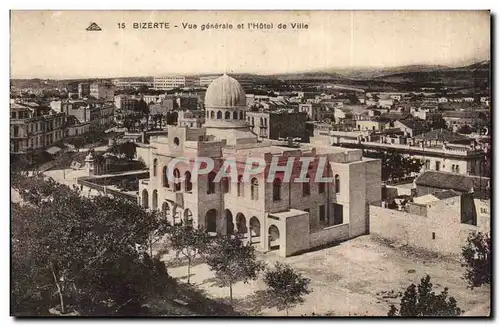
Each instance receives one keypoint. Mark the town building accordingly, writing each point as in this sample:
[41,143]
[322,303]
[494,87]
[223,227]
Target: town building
[277,124]
[83,90]
[126,102]
[207,80]
[169,82]
[191,119]
[102,91]
[290,217]
[33,127]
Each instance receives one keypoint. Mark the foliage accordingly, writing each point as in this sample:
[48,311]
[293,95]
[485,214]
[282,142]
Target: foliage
[476,255]
[434,121]
[420,301]
[189,242]
[396,166]
[86,251]
[286,285]
[128,149]
[232,261]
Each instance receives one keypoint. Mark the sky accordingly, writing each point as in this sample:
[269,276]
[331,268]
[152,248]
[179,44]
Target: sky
[55,44]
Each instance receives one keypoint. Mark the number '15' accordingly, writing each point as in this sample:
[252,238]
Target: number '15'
[121,25]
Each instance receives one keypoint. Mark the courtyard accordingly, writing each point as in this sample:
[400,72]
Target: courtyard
[354,278]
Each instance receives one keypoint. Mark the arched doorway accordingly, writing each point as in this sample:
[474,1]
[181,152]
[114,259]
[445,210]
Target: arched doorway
[211,221]
[274,236]
[254,229]
[228,218]
[155,199]
[241,225]
[145,199]
[188,217]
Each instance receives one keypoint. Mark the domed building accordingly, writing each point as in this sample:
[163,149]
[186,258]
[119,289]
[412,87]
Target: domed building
[270,209]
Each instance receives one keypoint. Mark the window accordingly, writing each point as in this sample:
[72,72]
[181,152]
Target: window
[338,214]
[177,183]
[165,177]
[306,187]
[235,115]
[224,185]
[212,114]
[438,165]
[255,189]
[427,164]
[337,184]
[457,169]
[188,185]
[219,115]
[227,115]
[321,187]
[211,183]
[207,114]
[240,185]
[176,141]
[242,115]
[155,166]
[322,213]
[277,189]
[433,235]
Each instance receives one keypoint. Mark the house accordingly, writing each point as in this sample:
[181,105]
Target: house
[410,127]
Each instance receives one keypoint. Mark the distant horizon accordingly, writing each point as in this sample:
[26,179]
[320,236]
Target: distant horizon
[56,44]
[318,70]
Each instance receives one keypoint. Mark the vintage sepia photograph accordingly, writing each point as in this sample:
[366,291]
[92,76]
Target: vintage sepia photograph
[214,163]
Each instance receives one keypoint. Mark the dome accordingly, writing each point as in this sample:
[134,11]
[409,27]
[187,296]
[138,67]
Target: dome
[225,92]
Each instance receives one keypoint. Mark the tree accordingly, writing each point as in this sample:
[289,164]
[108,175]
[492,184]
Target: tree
[189,242]
[83,249]
[420,301]
[286,285]
[476,255]
[63,161]
[232,261]
[395,165]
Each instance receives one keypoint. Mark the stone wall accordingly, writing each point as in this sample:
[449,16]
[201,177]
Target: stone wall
[329,235]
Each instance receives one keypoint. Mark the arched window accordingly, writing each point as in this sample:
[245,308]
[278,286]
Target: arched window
[235,115]
[165,177]
[219,115]
[255,189]
[212,114]
[207,114]
[321,187]
[165,210]
[306,187]
[240,186]
[211,183]
[277,189]
[224,183]
[261,121]
[177,183]
[155,199]
[457,169]
[155,166]
[188,217]
[242,115]
[145,199]
[188,185]
[227,115]
[337,183]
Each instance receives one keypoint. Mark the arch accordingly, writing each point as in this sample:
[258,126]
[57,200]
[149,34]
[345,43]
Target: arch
[165,177]
[155,199]
[211,220]
[228,218]
[254,190]
[155,166]
[165,209]
[212,114]
[177,183]
[337,184]
[241,224]
[188,217]
[211,183]
[235,115]
[254,226]
[306,186]
[242,115]
[240,185]
[188,184]
[145,199]
[219,115]
[277,189]
[227,115]
[274,235]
